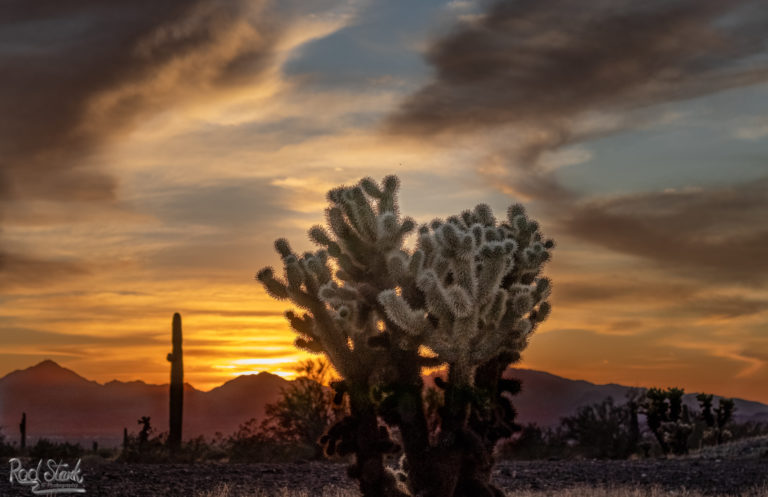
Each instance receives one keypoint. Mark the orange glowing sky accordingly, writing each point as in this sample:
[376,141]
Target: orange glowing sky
[151,154]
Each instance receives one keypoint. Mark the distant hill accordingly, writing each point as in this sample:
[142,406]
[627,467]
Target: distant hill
[62,405]
[545,398]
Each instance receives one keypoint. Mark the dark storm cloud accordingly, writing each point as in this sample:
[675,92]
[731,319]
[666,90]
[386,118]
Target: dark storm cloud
[715,233]
[545,67]
[544,63]
[77,73]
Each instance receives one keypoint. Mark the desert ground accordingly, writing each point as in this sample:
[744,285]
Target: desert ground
[641,478]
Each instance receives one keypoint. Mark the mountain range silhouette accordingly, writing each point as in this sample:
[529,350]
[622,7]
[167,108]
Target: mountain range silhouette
[62,405]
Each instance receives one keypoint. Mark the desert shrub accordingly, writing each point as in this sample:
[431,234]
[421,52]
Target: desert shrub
[198,449]
[251,443]
[146,446]
[604,430]
[305,410]
[534,442]
[748,429]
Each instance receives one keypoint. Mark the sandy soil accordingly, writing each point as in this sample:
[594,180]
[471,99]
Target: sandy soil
[710,476]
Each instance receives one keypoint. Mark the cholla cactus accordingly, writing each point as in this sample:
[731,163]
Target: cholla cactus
[467,297]
[716,419]
[668,419]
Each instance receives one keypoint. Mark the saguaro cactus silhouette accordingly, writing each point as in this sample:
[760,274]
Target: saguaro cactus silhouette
[23,430]
[177,386]
[467,297]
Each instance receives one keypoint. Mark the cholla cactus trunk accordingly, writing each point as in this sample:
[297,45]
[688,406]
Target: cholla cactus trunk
[723,414]
[466,297]
[177,386]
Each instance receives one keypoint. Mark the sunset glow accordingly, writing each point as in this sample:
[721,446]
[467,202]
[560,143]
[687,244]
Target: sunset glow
[148,171]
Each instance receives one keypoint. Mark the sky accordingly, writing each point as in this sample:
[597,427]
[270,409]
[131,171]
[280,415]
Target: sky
[150,153]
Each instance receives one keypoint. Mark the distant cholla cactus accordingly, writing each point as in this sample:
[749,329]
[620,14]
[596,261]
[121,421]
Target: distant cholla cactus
[716,419]
[467,296]
[668,419]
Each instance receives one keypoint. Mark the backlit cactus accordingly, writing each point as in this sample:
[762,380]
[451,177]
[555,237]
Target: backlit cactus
[467,296]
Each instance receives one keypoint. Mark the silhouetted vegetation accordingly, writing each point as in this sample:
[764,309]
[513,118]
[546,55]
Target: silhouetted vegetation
[294,424]
[46,449]
[150,447]
[607,430]
[176,389]
[604,430]
[716,419]
[306,409]
[290,431]
[6,449]
[250,443]
[146,446]
[534,442]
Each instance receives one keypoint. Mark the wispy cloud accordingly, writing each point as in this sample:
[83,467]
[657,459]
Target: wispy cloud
[714,234]
[26,271]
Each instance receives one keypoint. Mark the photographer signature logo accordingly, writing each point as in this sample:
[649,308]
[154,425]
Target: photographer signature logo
[54,478]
